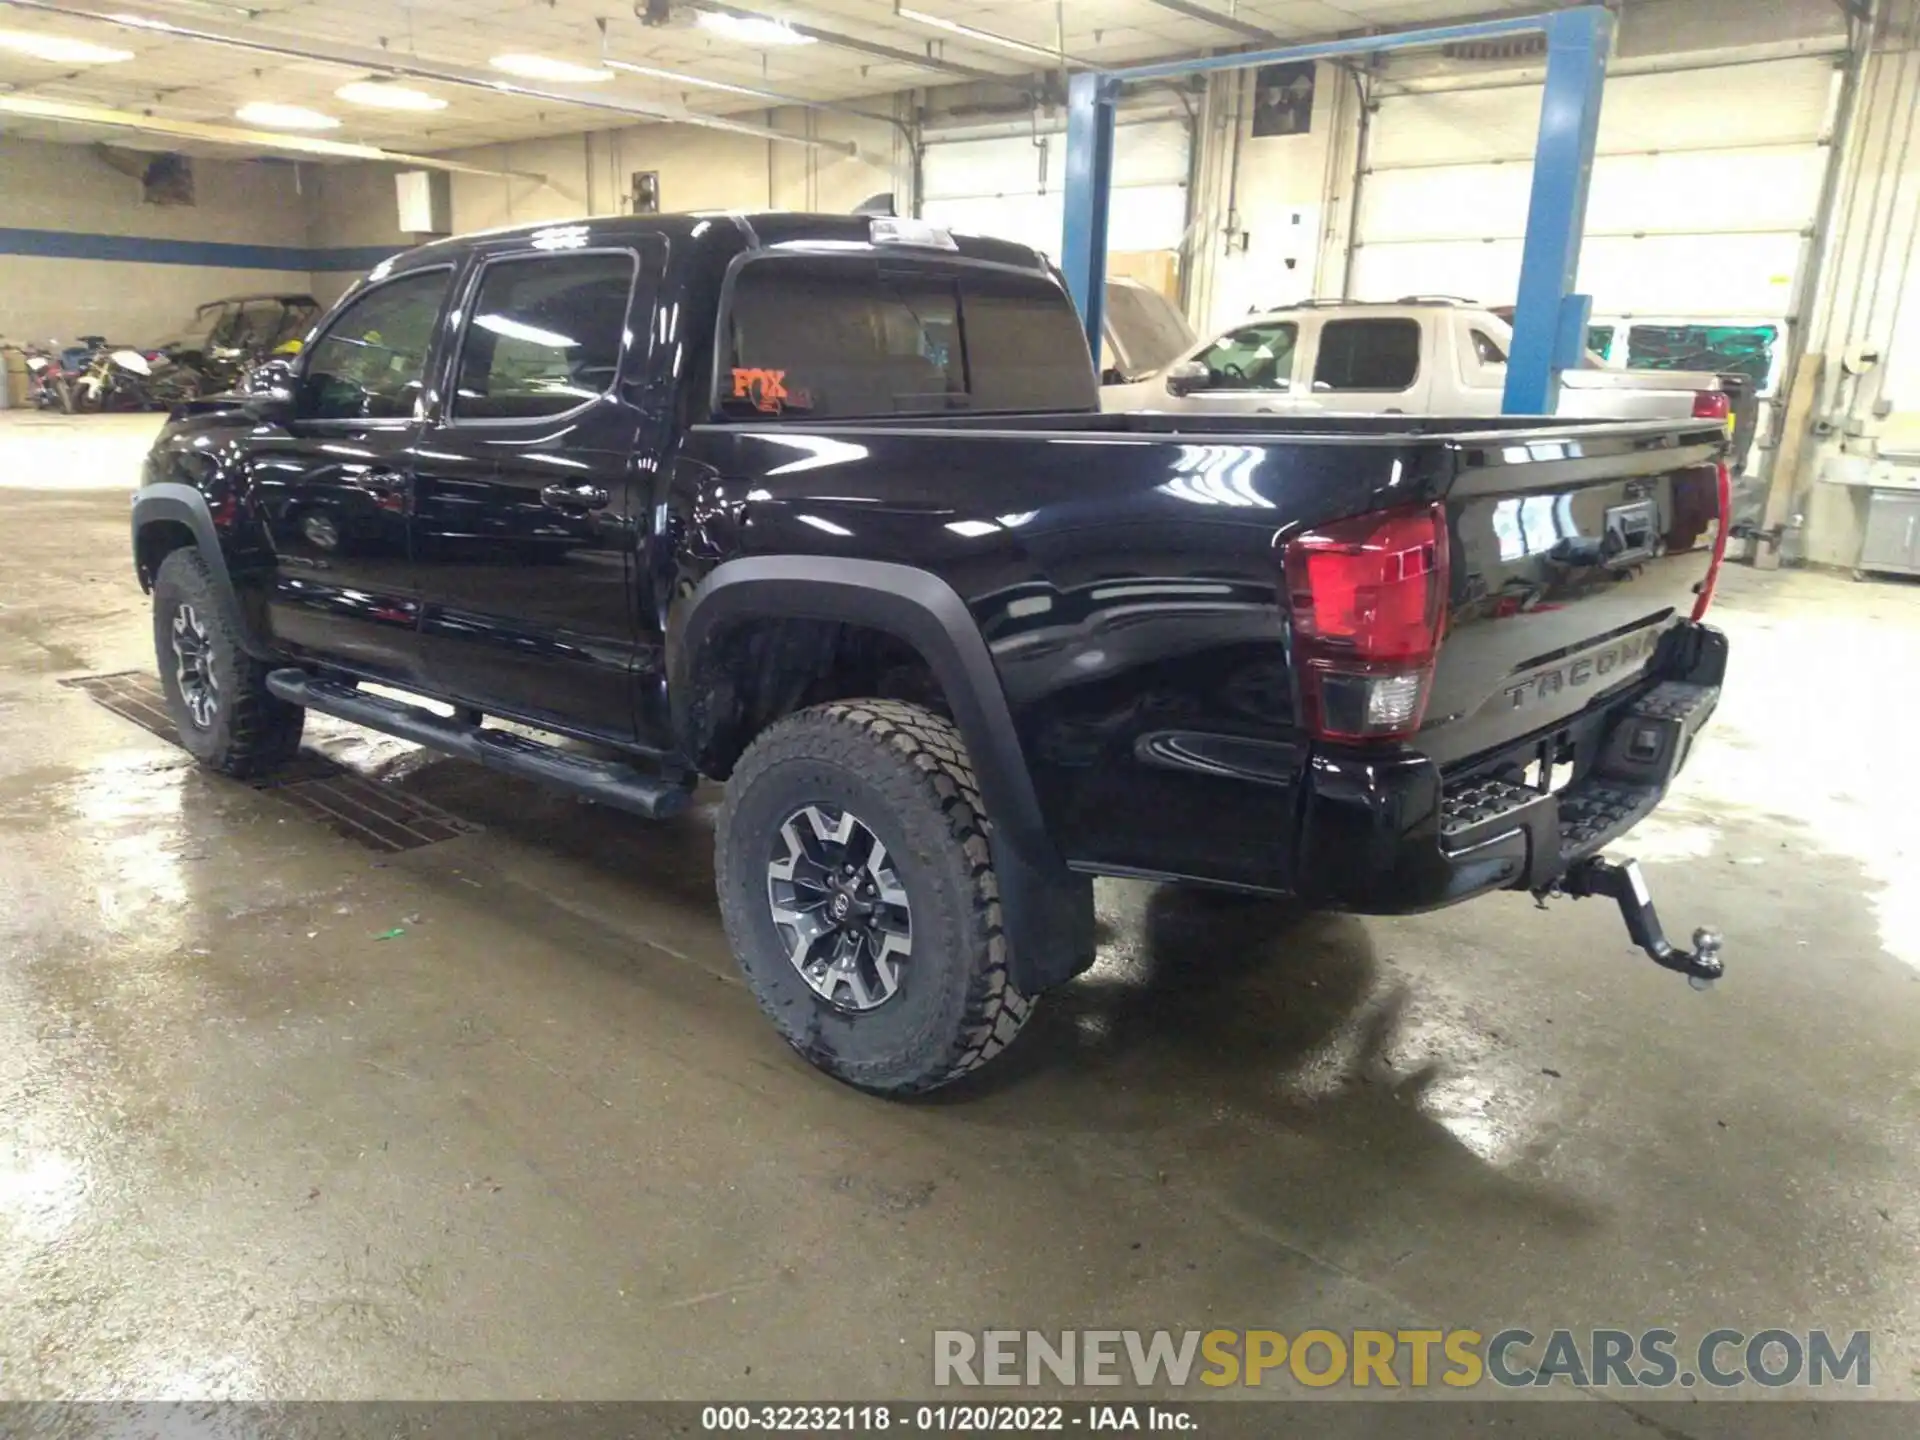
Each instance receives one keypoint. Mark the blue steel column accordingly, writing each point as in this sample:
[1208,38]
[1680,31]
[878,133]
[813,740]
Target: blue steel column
[1549,326]
[1083,245]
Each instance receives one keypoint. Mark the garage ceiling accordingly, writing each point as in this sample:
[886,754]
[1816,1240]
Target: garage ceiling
[186,79]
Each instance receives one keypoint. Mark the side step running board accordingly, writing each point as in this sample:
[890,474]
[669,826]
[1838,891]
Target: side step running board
[610,782]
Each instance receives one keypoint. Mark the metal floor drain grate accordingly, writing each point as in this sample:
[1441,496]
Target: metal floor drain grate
[376,815]
[132,695]
[367,811]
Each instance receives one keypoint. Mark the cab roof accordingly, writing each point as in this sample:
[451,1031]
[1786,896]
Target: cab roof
[731,230]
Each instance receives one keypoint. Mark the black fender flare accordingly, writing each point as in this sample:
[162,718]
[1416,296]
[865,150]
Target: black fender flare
[1046,908]
[175,503]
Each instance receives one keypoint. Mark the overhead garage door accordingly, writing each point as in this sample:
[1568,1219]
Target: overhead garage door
[1010,187]
[1704,199]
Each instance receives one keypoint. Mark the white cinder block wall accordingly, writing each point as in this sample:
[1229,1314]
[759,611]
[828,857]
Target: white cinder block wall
[59,200]
[316,228]
[351,215]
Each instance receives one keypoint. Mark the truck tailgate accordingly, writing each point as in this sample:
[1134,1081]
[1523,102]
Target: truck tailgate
[1570,558]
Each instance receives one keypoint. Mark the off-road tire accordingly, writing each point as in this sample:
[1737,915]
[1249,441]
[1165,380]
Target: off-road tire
[904,771]
[250,731]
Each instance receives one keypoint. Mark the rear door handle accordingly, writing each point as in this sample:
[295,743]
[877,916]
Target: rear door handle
[574,497]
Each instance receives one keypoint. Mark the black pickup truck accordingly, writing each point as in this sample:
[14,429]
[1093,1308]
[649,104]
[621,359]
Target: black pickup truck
[824,508]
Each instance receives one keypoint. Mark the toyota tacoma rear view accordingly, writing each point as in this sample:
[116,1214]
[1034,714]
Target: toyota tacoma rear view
[824,509]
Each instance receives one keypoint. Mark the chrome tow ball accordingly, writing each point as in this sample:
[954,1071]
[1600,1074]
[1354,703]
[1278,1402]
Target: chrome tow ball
[1628,888]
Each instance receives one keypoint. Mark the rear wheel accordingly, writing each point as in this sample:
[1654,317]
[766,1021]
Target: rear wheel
[216,692]
[858,892]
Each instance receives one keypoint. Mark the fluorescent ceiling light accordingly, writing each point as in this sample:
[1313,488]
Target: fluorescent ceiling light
[980,37]
[384,95]
[285,117]
[229,135]
[543,67]
[59,49]
[751,29]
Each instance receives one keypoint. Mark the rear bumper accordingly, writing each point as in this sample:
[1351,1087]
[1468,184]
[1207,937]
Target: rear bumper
[1396,834]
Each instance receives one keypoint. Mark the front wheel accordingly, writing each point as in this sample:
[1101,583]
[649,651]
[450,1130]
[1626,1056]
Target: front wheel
[858,893]
[216,692]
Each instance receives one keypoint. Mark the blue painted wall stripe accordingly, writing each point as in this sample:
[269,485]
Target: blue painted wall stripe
[146,250]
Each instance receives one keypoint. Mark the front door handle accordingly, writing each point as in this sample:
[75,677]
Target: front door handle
[574,497]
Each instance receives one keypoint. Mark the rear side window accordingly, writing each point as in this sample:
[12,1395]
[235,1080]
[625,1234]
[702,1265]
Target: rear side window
[544,336]
[827,340]
[1368,355]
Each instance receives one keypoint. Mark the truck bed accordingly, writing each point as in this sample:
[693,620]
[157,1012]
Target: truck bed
[1126,571]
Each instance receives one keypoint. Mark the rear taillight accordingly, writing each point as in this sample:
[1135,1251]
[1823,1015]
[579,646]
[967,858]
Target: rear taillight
[1714,405]
[1719,544]
[1369,600]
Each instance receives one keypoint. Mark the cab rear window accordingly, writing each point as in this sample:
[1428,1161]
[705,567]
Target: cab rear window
[824,339]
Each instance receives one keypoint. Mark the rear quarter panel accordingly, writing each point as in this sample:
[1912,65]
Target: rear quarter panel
[1128,590]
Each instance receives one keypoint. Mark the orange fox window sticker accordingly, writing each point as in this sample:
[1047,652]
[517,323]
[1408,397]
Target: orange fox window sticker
[767,389]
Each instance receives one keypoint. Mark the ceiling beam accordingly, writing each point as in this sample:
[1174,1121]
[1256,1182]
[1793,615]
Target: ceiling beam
[701,82]
[1223,22]
[865,47]
[391,62]
[66,113]
[992,38]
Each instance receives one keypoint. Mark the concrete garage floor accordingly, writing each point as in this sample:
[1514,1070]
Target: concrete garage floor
[543,1144]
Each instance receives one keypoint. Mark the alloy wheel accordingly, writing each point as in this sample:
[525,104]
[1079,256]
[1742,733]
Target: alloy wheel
[839,906]
[193,666]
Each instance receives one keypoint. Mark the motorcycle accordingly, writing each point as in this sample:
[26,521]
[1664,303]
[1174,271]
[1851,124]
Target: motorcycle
[48,387]
[126,379]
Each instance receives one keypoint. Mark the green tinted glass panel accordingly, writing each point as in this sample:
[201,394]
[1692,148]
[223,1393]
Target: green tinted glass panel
[1738,349]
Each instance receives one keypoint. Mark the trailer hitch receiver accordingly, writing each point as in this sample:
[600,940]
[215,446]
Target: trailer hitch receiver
[1628,888]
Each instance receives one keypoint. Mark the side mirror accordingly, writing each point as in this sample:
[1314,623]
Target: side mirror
[1111,376]
[1187,377]
[269,378]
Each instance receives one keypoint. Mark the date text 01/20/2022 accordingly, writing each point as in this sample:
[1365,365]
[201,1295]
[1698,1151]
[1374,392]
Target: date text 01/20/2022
[945,1419]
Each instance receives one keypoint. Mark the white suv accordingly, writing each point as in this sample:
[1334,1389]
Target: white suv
[1417,356]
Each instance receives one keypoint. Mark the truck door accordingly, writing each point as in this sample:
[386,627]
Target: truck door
[529,506]
[1249,371]
[1371,365]
[333,482]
